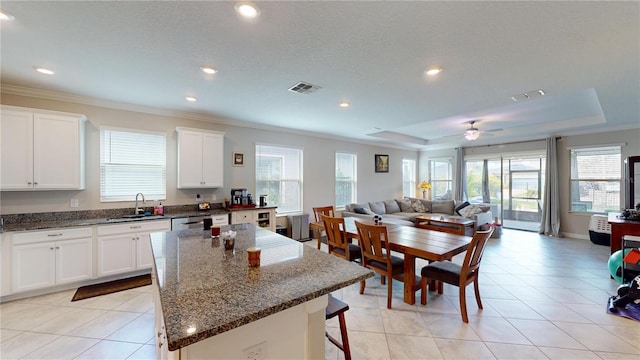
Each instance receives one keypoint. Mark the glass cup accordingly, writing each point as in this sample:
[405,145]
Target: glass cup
[215,230]
[253,256]
[229,243]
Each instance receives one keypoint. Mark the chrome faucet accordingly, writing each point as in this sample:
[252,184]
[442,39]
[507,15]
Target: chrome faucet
[138,210]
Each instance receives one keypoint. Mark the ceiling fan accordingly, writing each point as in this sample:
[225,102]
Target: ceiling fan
[473,133]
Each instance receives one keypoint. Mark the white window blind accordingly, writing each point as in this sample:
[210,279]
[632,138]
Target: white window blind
[596,175]
[132,162]
[346,180]
[279,176]
[441,179]
[408,178]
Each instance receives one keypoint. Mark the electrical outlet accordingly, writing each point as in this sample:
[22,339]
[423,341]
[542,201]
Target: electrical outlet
[74,203]
[256,352]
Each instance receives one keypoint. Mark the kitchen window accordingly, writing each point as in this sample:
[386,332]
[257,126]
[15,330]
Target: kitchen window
[279,176]
[346,171]
[596,175]
[131,162]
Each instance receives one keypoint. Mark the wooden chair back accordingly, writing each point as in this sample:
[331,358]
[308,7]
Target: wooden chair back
[475,250]
[323,210]
[336,235]
[372,242]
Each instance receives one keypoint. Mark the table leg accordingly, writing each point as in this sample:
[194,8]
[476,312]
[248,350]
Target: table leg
[409,279]
[319,232]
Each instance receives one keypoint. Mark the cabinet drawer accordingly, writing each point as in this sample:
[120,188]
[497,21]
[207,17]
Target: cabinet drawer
[52,235]
[222,219]
[134,227]
[238,217]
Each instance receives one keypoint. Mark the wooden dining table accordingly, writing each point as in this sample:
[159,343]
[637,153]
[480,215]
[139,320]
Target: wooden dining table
[413,243]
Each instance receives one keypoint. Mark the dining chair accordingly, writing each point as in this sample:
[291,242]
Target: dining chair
[377,257]
[337,240]
[333,309]
[317,213]
[456,274]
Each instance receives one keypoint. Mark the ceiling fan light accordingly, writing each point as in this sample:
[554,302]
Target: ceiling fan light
[472,134]
[6,16]
[247,10]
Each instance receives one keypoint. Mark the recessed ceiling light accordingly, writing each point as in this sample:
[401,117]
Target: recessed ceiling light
[434,70]
[190,99]
[344,104]
[208,69]
[6,16]
[45,71]
[247,10]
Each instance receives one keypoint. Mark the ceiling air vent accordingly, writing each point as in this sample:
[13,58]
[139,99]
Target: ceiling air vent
[304,88]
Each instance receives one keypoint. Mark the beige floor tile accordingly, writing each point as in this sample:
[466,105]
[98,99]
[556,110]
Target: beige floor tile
[616,356]
[23,344]
[528,293]
[568,354]
[497,330]
[404,323]
[105,325]
[368,345]
[143,302]
[630,334]
[107,302]
[462,349]
[557,312]
[8,334]
[449,327]
[106,349]
[364,319]
[438,304]
[513,309]
[64,324]
[595,338]
[64,347]
[61,298]
[512,351]
[145,352]
[412,347]
[28,316]
[596,314]
[139,330]
[544,333]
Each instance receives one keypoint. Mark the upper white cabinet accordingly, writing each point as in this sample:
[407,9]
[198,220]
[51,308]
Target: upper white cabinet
[41,150]
[200,158]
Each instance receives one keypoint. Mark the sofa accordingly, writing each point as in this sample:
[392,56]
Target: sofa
[404,211]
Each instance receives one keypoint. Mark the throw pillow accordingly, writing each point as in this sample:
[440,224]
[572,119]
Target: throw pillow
[406,206]
[391,206]
[470,210]
[443,207]
[369,212]
[360,211]
[377,207]
[461,206]
[418,206]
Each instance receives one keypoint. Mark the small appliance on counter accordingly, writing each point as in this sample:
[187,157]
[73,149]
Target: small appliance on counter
[240,198]
[263,200]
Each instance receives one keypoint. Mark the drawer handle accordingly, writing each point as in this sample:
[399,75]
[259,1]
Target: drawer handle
[52,235]
[135,227]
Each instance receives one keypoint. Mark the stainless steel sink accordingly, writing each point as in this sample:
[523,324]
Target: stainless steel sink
[134,217]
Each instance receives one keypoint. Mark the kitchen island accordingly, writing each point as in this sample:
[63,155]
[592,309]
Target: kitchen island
[211,304]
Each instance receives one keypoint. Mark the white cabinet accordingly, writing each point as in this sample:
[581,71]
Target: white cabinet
[126,247]
[263,217]
[200,158]
[43,259]
[41,150]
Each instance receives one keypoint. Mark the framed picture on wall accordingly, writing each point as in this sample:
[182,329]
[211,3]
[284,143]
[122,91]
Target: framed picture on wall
[238,159]
[381,163]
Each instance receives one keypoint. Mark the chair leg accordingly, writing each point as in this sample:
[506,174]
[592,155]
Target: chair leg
[477,291]
[382,279]
[389,292]
[463,304]
[362,285]
[423,291]
[345,337]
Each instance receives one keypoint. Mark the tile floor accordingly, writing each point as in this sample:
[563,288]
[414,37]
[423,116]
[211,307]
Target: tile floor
[544,298]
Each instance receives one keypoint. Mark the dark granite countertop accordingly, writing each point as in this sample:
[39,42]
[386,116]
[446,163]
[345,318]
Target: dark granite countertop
[65,219]
[205,290]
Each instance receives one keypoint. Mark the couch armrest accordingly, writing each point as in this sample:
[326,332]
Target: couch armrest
[483,218]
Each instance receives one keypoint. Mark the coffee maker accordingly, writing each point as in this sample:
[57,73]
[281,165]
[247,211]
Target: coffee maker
[240,197]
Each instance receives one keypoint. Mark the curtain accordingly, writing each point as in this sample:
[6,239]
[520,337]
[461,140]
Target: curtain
[459,189]
[486,194]
[550,224]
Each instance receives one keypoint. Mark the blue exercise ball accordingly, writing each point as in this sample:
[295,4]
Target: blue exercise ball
[615,264]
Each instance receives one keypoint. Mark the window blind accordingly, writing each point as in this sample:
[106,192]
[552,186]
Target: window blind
[132,162]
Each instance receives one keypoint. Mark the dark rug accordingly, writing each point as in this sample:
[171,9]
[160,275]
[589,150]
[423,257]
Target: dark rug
[90,291]
[630,311]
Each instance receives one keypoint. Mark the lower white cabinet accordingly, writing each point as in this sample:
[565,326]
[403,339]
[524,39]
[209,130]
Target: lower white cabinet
[126,247]
[263,217]
[43,259]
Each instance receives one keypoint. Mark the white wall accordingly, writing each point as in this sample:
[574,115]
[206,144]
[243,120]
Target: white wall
[319,157]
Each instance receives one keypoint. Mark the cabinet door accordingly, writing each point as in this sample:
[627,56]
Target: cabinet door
[116,254]
[16,150]
[33,266]
[74,260]
[243,216]
[56,152]
[144,253]
[212,161]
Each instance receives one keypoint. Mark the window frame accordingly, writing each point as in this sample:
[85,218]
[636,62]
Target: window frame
[434,182]
[412,177]
[281,181]
[574,182]
[135,148]
[353,180]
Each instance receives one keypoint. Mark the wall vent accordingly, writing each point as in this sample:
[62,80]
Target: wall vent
[304,88]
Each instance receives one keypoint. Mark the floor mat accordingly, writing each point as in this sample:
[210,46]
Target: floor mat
[630,311]
[90,291]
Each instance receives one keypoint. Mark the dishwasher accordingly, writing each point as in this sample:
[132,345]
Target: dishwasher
[203,222]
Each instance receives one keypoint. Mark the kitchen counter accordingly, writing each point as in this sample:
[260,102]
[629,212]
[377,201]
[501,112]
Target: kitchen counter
[205,291]
[52,220]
